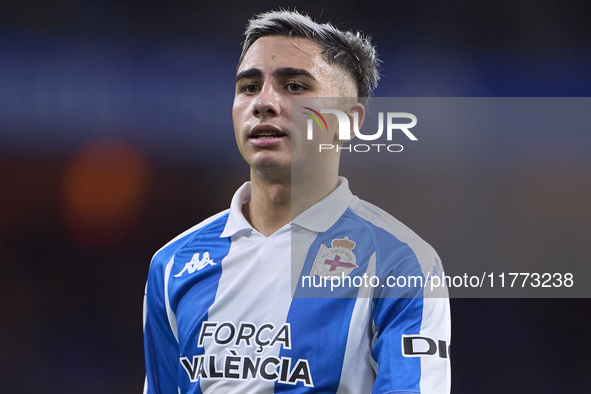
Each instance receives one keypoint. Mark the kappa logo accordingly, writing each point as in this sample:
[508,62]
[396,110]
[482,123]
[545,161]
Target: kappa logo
[195,264]
[336,261]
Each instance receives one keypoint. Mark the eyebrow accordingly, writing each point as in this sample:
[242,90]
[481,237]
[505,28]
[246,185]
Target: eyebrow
[250,73]
[292,72]
[280,72]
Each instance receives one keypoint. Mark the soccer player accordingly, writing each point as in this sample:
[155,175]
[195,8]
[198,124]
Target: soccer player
[224,311]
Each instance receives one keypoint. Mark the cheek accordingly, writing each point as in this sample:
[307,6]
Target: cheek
[235,108]
[238,115]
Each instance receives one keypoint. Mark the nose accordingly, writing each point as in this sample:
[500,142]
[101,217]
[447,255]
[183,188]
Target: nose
[267,103]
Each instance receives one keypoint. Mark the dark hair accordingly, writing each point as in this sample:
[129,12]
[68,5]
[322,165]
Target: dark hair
[351,51]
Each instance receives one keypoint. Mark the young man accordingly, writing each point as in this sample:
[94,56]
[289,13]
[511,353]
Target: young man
[224,308]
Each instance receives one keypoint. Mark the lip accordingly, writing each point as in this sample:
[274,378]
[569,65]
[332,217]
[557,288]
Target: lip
[261,142]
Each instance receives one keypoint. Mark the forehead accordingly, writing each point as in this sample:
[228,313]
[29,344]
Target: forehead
[272,52]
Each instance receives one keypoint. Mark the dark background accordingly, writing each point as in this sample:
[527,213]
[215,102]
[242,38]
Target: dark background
[116,135]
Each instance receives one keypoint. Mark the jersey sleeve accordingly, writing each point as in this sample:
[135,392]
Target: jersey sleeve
[161,349]
[412,333]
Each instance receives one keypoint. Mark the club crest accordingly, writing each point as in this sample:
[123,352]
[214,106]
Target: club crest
[335,261]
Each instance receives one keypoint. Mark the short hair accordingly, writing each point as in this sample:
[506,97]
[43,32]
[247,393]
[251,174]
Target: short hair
[353,52]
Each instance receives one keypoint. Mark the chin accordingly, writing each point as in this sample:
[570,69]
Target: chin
[272,169]
[270,159]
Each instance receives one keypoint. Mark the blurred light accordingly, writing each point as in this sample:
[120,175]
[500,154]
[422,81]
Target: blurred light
[104,189]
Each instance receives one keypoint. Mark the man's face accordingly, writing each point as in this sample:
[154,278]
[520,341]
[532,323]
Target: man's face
[274,70]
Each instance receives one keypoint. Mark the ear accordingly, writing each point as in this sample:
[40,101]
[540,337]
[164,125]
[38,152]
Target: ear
[356,115]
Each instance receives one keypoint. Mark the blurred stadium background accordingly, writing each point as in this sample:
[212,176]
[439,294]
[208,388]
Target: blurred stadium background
[116,135]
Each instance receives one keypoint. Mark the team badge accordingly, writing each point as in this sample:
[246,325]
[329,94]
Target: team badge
[338,260]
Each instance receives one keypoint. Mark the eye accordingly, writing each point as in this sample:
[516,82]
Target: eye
[250,88]
[294,87]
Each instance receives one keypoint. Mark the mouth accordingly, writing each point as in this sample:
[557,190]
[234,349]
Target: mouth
[262,132]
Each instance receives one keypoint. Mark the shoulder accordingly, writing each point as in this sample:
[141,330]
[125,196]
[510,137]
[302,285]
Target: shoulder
[392,237]
[213,225]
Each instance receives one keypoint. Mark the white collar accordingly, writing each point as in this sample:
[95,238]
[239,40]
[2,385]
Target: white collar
[236,220]
[321,216]
[318,218]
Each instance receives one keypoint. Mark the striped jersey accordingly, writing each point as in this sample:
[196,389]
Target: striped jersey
[229,310]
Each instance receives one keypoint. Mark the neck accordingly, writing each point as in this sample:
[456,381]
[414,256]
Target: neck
[269,208]
[273,204]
